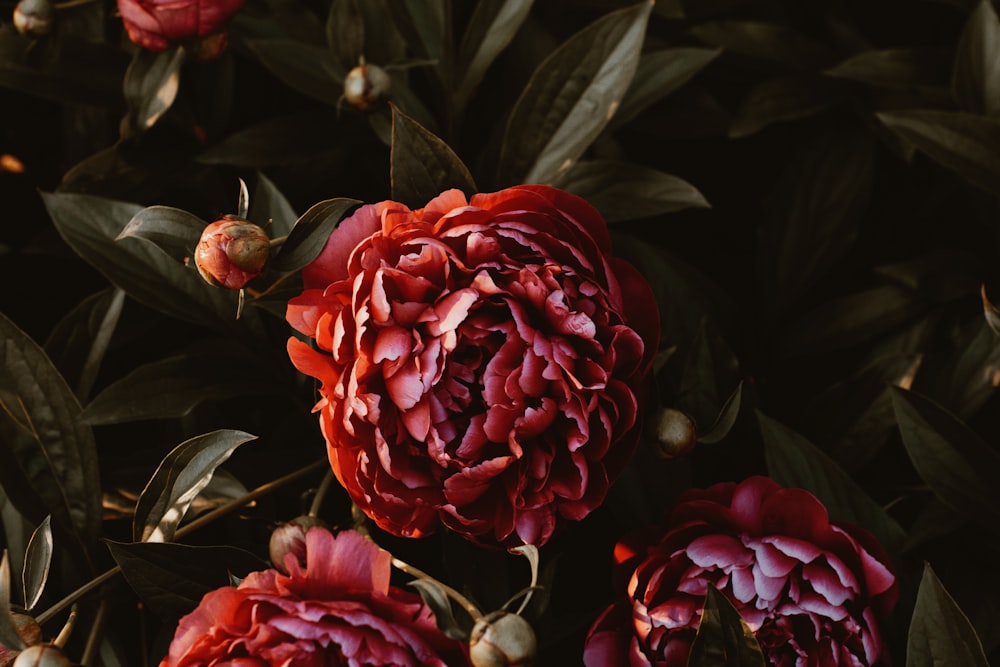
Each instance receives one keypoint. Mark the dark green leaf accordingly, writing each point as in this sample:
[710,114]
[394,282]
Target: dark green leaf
[181,475]
[958,466]
[345,32]
[71,340]
[658,74]
[819,201]
[423,166]
[172,387]
[990,312]
[150,87]
[424,24]
[48,464]
[935,520]
[571,97]
[310,233]
[940,634]
[784,99]
[724,639]
[795,462]
[943,275]
[174,231]
[764,41]
[308,68]
[911,68]
[95,355]
[965,143]
[975,80]
[727,417]
[171,579]
[963,373]
[243,203]
[627,191]
[491,28]
[9,635]
[383,42]
[282,140]
[438,602]
[711,371]
[37,559]
[270,209]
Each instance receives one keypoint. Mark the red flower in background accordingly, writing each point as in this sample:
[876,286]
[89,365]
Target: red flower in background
[810,589]
[338,609]
[481,361]
[156,24]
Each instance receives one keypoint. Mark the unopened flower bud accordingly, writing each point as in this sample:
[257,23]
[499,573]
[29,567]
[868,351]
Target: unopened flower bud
[208,47]
[33,18]
[41,655]
[290,538]
[502,639]
[30,632]
[232,252]
[366,85]
[674,432]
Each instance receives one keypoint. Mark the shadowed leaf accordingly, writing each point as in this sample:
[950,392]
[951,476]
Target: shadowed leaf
[37,559]
[975,80]
[308,68]
[423,166]
[770,42]
[345,32]
[940,633]
[440,605]
[491,28]
[310,233]
[778,100]
[9,635]
[175,231]
[724,639]
[270,209]
[150,87]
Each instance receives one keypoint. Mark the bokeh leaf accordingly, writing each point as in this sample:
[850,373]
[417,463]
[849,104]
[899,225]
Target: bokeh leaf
[151,83]
[940,634]
[307,68]
[181,475]
[724,639]
[925,69]
[782,99]
[37,560]
[491,28]
[975,81]
[769,42]
[345,32]
[175,231]
[423,166]
[571,97]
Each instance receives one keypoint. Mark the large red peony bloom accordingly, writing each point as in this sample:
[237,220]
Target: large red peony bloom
[338,610]
[156,24]
[481,361]
[810,589]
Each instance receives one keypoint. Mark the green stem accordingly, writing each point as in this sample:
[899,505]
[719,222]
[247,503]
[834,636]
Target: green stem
[417,573]
[324,487]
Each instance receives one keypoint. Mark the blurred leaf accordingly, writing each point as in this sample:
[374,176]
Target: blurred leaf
[90,224]
[173,386]
[958,466]
[491,28]
[48,464]
[383,42]
[424,25]
[779,100]
[9,635]
[711,372]
[658,74]
[70,341]
[726,419]
[819,201]
[967,372]
[975,80]
[171,579]
[965,143]
[440,605]
[943,275]
[308,68]
[150,87]
[345,32]
[990,311]
[37,560]
[99,346]
[911,68]
[310,233]
[571,97]
[770,42]
[423,166]
[174,231]
[285,19]
[270,209]
[936,519]
[724,639]
[795,462]
[295,137]
[627,191]
[181,475]
[940,634]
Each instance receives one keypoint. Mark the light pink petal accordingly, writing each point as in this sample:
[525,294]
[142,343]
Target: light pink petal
[722,551]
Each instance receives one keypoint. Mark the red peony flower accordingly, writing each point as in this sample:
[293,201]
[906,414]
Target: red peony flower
[338,609]
[810,589]
[231,252]
[481,361]
[156,24]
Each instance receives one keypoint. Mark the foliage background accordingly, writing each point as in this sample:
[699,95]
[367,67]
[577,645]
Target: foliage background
[823,270]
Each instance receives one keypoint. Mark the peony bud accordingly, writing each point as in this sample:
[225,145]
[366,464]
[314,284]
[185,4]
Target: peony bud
[675,433]
[366,85]
[33,18]
[502,639]
[42,655]
[30,632]
[232,252]
[290,538]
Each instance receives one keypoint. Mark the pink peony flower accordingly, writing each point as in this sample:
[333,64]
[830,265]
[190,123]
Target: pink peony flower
[481,361]
[338,609]
[810,589]
[231,252]
[156,24]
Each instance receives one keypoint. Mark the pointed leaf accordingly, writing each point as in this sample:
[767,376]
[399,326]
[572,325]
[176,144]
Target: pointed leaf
[975,78]
[308,68]
[724,639]
[243,204]
[965,143]
[627,191]
[102,339]
[175,231]
[960,468]
[310,233]
[491,28]
[571,97]
[794,461]
[711,371]
[925,69]
[424,24]
[764,41]
[9,635]
[990,311]
[150,87]
[779,100]
[529,551]
[171,579]
[728,414]
[440,605]
[182,474]
[72,340]
[423,166]
[37,559]
[48,464]
[940,633]
[293,138]
[345,32]
[270,209]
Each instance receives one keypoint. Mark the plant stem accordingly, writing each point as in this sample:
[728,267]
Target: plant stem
[417,573]
[317,500]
